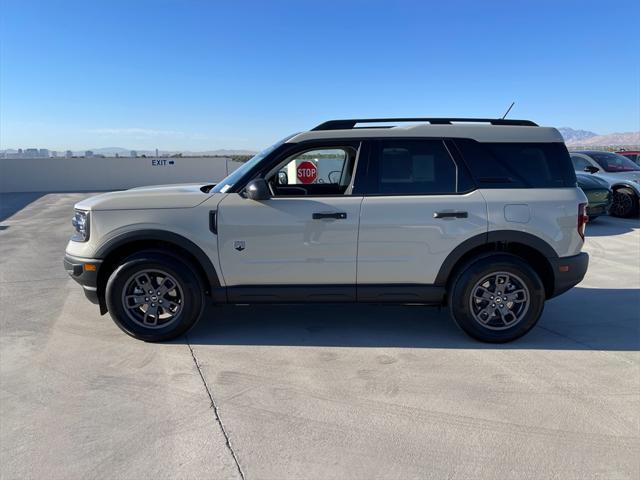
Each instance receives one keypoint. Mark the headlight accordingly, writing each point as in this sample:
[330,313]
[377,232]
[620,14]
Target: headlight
[80,222]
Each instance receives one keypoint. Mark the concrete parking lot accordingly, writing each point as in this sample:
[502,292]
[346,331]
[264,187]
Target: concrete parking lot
[293,392]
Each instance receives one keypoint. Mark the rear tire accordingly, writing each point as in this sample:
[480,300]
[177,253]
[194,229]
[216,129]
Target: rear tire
[497,298]
[154,296]
[625,203]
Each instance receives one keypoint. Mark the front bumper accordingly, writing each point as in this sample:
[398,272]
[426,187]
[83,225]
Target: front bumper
[568,272]
[85,272]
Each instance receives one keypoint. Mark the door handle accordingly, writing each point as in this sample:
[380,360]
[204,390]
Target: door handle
[213,221]
[337,215]
[450,214]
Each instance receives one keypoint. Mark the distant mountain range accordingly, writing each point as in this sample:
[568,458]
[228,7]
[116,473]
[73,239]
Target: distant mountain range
[591,139]
[571,135]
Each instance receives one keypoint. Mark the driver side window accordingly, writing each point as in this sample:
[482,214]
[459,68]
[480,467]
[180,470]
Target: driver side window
[319,171]
[579,163]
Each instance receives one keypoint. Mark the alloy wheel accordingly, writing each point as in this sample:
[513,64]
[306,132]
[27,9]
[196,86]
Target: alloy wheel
[152,298]
[621,205]
[499,300]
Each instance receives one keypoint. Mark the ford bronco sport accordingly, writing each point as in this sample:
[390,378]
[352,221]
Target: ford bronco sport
[482,215]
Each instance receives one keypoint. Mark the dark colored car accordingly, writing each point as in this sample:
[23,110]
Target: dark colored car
[598,194]
[633,155]
[622,175]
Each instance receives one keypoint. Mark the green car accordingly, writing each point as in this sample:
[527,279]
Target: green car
[598,194]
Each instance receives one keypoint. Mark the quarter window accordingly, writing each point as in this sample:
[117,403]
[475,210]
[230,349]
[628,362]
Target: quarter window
[518,165]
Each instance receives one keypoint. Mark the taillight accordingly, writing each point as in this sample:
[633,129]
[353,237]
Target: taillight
[583,218]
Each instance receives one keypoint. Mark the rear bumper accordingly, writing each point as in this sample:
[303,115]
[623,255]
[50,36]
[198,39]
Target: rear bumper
[568,272]
[81,271]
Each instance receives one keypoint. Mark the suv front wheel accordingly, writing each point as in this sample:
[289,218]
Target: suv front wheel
[624,204]
[497,298]
[154,297]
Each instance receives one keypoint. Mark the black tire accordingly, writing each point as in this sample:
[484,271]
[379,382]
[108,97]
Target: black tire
[624,204]
[496,330]
[188,295]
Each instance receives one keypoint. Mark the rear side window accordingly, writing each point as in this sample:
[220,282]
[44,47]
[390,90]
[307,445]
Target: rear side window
[413,167]
[518,165]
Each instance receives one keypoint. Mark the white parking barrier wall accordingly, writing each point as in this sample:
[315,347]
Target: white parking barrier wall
[110,173]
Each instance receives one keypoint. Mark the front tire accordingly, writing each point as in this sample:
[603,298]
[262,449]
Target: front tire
[497,298]
[625,203]
[154,296]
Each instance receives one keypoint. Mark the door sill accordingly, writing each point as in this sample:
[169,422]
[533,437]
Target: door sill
[374,293]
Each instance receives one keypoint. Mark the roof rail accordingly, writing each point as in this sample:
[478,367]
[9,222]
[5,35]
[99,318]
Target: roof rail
[351,123]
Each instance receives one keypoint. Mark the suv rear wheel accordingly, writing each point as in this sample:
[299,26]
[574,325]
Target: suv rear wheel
[497,298]
[154,297]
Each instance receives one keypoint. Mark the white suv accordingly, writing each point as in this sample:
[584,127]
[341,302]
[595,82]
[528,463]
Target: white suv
[481,214]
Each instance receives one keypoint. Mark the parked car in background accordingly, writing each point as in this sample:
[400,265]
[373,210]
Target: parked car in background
[598,194]
[622,174]
[633,155]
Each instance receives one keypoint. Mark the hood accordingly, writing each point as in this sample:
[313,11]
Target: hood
[629,178]
[156,196]
[634,176]
[588,181]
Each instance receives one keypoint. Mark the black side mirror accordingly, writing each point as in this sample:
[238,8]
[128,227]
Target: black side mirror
[591,169]
[258,189]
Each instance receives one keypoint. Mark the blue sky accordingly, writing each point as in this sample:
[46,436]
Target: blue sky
[202,75]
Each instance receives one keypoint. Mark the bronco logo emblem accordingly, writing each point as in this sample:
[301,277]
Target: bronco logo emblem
[239,245]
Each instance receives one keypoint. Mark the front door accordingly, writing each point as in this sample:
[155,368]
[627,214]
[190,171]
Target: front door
[305,234]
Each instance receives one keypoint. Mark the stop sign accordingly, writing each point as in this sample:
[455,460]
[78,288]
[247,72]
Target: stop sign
[307,172]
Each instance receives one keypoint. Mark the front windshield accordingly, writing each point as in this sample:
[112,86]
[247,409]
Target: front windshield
[612,162]
[229,181]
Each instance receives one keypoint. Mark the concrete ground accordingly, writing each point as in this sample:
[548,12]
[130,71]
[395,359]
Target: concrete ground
[290,392]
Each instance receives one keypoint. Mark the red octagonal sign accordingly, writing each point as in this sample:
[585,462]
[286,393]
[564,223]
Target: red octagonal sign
[307,172]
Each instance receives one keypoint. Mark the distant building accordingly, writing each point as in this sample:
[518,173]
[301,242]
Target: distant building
[54,153]
[88,154]
[43,152]
[133,154]
[68,154]
[18,154]
[31,153]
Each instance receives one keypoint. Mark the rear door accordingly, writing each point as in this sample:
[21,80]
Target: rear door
[419,205]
